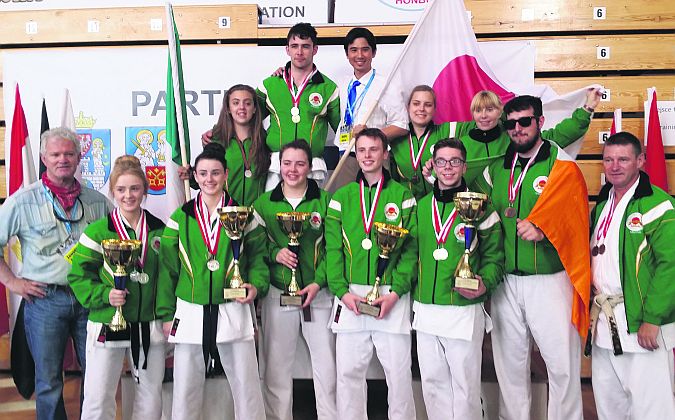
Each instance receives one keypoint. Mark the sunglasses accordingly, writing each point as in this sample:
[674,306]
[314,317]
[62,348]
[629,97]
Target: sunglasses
[523,121]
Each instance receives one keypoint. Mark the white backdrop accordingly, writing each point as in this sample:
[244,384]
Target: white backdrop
[113,88]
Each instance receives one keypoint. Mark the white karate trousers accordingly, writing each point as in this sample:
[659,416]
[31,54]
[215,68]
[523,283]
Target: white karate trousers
[104,367]
[353,353]
[450,371]
[241,368]
[280,332]
[539,307]
[633,386]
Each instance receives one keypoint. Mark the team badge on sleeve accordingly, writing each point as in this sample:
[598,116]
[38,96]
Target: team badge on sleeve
[391,212]
[634,222]
[315,220]
[315,99]
[539,184]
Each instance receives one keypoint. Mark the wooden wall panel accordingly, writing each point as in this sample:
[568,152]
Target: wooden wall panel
[592,170]
[2,104]
[2,143]
[592,145]
[3,182]
[626,92]
[127,24]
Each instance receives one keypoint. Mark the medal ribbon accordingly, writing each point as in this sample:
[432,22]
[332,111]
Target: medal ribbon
[247,164]
[354,106]
[124,235]
[604,224]
[369,217]
[415,160]
[513,188]
[441,229]
[301,88]
[210,234]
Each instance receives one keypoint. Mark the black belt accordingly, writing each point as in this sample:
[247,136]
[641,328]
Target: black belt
[209,347]
[144,338]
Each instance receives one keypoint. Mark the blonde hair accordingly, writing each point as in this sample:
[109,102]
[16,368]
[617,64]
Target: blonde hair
[486,99]
[127,164]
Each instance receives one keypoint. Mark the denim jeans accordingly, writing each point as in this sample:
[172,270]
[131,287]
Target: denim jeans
[48,322]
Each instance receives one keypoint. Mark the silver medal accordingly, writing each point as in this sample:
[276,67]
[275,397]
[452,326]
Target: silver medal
[440,254]
[366,244]
[213,265]
[134,276]
[248,173]
[143,278]
[295,111]
[295,119]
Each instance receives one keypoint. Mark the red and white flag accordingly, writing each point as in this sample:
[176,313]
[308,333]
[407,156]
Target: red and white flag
[20,172]
[616,122]
[656,157]
[442,51]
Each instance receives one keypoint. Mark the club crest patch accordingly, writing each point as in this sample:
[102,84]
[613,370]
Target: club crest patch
[634,222]
[391,211]
[315,99]
[539,184]
[459,232]
[315,220]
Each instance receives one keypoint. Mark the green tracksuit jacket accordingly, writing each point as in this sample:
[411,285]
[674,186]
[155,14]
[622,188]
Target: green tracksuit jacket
[92,283]
[243,190]
[647,261]
[400,160]
[312,262]
[346,261]
[522,257]
[436,278]
[319,106]
[183,273]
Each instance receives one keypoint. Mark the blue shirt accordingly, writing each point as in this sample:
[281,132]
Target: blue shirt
[29,215]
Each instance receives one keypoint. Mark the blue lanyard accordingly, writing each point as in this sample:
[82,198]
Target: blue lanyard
[59,210]
[353,109]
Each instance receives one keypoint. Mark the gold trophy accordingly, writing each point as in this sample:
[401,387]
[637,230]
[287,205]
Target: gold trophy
[293,224]
[387,239]
[120,253]
[234,220]
[470,207]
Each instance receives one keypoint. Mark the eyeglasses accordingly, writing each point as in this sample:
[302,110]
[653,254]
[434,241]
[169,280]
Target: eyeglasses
[454,162]
[523,121]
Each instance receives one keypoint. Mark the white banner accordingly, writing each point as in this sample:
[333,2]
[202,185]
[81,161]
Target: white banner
[118,92]
[667,120]
[273,12]
[379,11]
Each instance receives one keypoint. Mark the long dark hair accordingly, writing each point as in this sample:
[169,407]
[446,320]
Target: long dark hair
[223,131]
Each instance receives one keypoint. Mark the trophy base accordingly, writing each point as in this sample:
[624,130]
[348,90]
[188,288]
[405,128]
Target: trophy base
[367,309]
[462,283]
[291,300]
[238,293]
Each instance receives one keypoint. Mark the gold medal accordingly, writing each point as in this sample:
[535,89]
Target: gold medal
[366,244]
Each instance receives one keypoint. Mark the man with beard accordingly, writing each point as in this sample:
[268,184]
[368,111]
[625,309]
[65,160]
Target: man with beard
[545,292]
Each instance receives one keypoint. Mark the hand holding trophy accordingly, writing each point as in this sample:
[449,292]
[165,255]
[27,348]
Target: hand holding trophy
[471,207]
[120,253]
[387,239]
[234,220]
[293,224]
